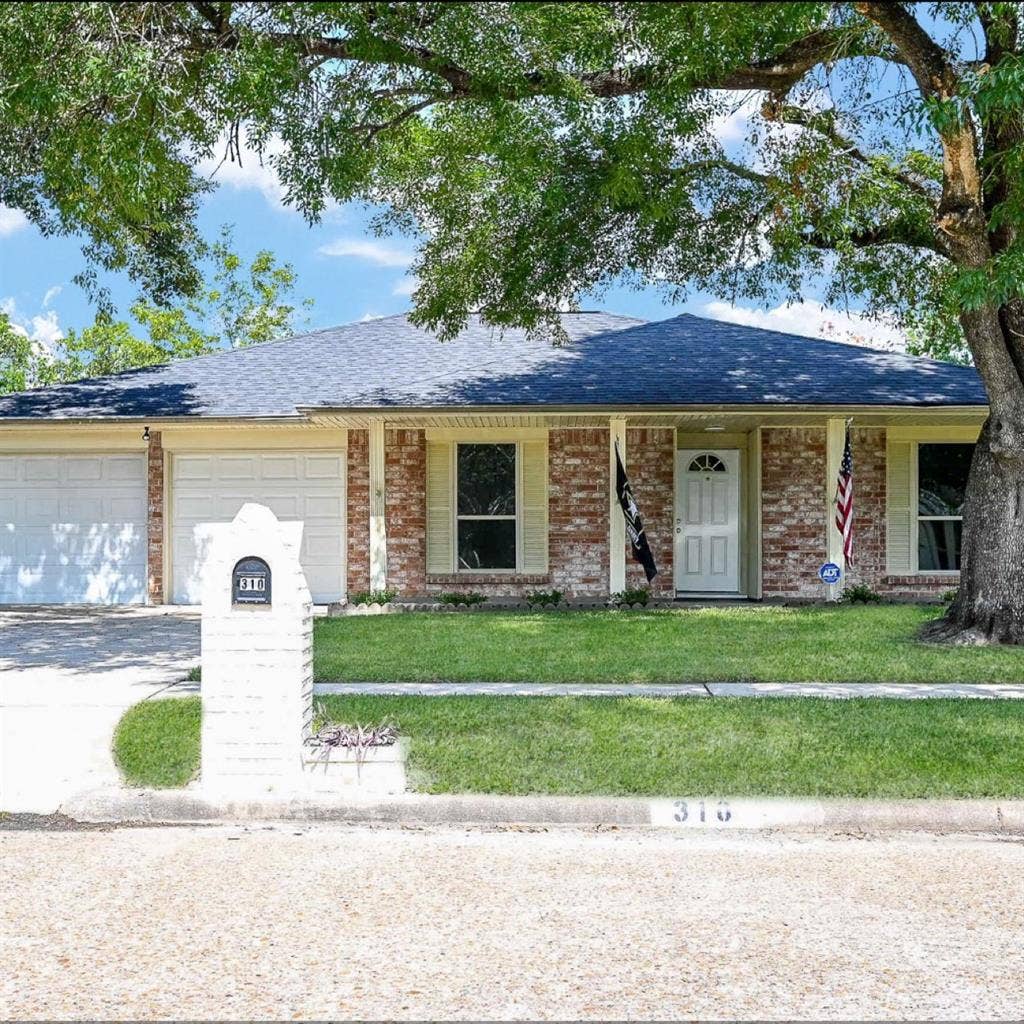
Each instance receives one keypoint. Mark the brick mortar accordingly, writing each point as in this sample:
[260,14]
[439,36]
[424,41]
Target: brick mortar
[155,518]
[357,500]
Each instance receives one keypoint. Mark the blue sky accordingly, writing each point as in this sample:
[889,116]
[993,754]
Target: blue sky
[349,274]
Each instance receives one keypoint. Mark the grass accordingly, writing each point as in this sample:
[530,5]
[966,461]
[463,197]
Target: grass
[156,743]
[758,643]
[637,746]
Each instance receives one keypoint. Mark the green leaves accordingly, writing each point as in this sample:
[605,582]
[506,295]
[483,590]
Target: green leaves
[539,150]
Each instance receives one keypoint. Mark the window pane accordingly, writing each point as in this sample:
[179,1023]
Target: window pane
[942,478]
[487,543]
[938,544]
[487,479]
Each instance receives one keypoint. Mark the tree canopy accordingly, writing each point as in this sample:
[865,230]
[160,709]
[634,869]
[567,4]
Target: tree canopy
[541,149]
[237,305]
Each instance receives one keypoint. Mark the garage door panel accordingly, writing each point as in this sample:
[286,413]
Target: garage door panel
[193,467]
[234,467]
[322,506]
[322,546]
[280,467]
[73,529]
[83,470]
[41,469]
[324,467]
[280,480]
[41,510]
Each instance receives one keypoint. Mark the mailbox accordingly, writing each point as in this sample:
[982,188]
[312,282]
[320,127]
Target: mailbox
[250,581]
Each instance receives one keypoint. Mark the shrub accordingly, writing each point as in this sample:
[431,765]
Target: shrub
[466,600]
[948,597]
[861,593]
[632,595]
[544,598]
[374,597]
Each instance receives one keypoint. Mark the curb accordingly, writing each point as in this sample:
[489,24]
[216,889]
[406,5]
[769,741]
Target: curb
[708,814]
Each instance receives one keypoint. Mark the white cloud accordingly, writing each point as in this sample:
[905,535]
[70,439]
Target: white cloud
[51,294]
[11,220]
[815,320]
[248,170]
[370,316]
[405,286]
[381,253]
[42,328]
[45,329]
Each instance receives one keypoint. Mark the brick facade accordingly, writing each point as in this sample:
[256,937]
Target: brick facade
[578,511]
[794,515]
[405,490]
[650,465]
[357,496]
[793,512]
[793,540]
[155,519]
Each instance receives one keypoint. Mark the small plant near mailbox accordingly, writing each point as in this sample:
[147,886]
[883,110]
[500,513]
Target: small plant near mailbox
[544,598]
[460,600]
[365,597]
[328,735]
[631,596]
[861,593]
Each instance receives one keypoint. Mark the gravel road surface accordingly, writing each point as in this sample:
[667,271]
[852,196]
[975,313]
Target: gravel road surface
[339,922]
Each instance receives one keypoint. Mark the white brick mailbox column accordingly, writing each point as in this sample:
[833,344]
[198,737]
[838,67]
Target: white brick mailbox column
[257,659]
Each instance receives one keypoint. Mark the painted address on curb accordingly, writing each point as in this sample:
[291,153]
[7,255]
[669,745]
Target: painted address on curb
[719,813]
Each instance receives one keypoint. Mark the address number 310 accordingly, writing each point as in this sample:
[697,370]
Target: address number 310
[700,811]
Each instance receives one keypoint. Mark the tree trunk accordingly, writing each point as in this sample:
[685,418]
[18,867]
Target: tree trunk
[989,606]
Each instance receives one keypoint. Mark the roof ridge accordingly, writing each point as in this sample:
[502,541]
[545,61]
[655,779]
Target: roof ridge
[812,337]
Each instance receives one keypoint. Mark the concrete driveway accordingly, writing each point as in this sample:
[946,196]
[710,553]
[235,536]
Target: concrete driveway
[66,677]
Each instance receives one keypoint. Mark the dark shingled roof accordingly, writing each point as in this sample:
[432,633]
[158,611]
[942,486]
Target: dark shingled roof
[614,361]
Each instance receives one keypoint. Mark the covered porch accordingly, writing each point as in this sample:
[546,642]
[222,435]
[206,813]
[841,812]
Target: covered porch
[737,503]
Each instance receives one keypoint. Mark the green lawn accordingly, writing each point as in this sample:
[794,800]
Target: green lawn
[768,643]
[156,743]
[677,747]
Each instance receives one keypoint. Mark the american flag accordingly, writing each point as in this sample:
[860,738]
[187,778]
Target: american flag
[844,499]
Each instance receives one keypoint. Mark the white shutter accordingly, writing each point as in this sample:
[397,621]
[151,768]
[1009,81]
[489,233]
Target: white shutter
[899,507]
[534,512]
[440,527]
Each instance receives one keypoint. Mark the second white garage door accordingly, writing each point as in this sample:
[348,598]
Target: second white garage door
[208,488]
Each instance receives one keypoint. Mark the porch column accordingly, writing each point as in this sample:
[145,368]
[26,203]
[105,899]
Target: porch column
[378,529]
[835,440]
[616,521]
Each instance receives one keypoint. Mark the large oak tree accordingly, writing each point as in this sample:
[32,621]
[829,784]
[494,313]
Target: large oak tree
[543,150]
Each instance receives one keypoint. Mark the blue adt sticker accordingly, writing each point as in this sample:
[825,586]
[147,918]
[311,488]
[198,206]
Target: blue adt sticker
[830,573]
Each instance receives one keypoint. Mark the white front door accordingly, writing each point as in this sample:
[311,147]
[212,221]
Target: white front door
[707,521]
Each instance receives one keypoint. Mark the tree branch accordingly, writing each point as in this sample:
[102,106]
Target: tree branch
[892,233]
[824,123]
[928,63]
[961,213]
[720,163]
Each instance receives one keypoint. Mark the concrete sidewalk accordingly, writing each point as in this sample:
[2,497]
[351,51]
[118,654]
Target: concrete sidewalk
[902,691]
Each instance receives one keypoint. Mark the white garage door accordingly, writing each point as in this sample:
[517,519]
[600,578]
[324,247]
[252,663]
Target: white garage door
[297,485]
[72,529]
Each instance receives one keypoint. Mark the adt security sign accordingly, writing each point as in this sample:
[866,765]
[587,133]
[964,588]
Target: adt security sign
[830,573]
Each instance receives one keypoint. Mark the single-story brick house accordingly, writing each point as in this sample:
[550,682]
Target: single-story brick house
[485,463]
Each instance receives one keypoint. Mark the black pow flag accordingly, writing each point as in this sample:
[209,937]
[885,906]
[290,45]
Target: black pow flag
[634,524]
